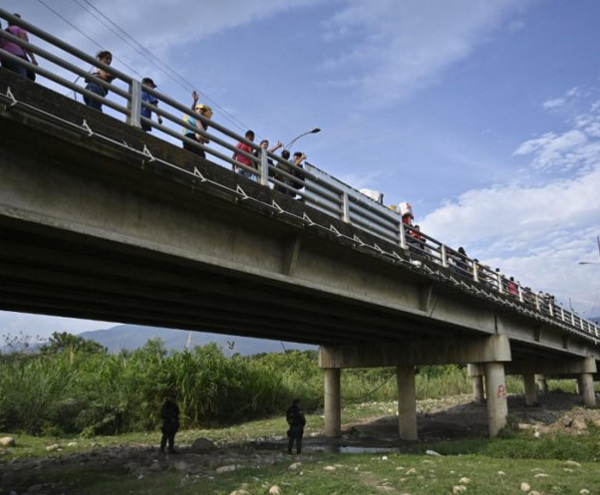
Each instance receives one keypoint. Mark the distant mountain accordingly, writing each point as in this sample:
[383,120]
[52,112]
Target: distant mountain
[131,337]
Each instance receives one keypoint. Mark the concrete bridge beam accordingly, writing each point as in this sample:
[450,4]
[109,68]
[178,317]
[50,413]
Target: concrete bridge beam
[333,409]
[407,403]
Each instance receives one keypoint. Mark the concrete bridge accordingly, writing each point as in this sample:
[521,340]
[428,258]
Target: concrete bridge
[100,220]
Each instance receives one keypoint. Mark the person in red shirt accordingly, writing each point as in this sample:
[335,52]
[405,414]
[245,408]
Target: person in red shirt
[244,160]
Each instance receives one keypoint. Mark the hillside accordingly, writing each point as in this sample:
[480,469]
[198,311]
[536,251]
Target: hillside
[130,337]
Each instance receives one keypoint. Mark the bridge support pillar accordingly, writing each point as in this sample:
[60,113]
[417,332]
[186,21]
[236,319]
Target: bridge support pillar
[333,410]
[542,383]
[407,403]
[478,394]
[530,391]
[497,405]
[578,386]
[587,389]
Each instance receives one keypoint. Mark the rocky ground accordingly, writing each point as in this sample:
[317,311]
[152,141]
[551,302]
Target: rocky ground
[438,420]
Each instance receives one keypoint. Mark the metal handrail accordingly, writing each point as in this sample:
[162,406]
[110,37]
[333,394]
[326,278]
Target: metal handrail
[316,188]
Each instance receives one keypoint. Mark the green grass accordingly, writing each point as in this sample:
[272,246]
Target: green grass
[353,474]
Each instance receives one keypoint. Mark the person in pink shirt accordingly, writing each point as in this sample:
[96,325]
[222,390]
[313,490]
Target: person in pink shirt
[244,160]
[16,50]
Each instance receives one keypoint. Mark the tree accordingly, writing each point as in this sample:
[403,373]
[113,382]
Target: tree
[61,342]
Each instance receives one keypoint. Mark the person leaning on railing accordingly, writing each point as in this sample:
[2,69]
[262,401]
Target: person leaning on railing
[17,51]
[204,111]
[106,58]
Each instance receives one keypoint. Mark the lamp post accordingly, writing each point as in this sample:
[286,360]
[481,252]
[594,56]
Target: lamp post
[312,131]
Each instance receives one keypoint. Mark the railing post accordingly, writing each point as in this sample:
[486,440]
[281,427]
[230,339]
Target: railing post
[520,289]
[572,319]
[562,314]
[444,255]
[551,308]
[134,105]
[264,167]
[500,283]
[402,235]
[345,207]
[475,271]
[537,302]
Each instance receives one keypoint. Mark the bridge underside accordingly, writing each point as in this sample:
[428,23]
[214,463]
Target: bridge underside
[93,227]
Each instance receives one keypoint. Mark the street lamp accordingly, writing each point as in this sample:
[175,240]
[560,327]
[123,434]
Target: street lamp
[312,131]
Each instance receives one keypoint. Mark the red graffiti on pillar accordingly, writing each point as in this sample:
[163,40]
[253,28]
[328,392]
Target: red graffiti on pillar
[501,391]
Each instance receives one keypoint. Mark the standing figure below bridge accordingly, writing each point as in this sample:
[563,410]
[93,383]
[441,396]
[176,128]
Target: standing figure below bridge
[296,421]
[170,417]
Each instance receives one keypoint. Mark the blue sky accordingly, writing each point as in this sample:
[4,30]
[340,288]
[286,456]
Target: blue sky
[485,115]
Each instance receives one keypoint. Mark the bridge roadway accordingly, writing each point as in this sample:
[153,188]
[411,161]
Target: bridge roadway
[91,227]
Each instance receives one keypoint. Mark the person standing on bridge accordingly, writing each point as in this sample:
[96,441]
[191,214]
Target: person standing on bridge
[152,100]
[17,50]
[170,418]
[243,159]
[202,111]
[296,421]
[104,57]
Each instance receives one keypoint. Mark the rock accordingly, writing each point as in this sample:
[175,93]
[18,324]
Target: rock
[72,444]
[534,492]
[459,489]
[202,445]
[295,466]
[8,442]
[464,481]
[53,447]
[225,469]
[239,492]
[155,467]
[572,464]
[541,475]
[501,473]
[275,490]
[329,468]
[181,466]
[411,471]
[525,487]
[432,452]
[584,492]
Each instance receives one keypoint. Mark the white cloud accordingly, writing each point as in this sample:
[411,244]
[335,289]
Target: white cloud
[398,48]
[537,233]
[555,103]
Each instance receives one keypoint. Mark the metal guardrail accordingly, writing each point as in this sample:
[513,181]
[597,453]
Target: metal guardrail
[309,184]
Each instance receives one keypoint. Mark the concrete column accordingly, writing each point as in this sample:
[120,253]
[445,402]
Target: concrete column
[579,386]
[497,405]
[587,389]
[478,396]
[542,383]
[333,409]
[407,403]
[530,391]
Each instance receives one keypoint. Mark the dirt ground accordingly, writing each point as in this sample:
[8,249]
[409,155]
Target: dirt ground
[456,418]
[452,418]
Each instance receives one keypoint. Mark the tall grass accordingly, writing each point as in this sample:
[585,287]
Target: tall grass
[84,390]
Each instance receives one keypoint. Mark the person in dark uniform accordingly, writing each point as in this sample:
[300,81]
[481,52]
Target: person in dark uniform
[296,421]
[170,417]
